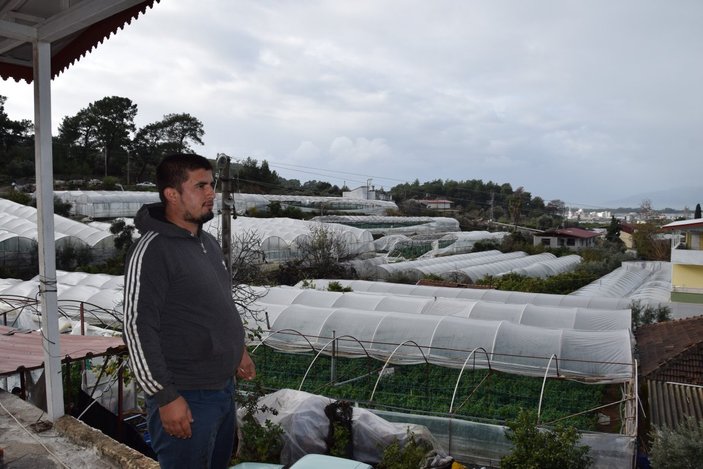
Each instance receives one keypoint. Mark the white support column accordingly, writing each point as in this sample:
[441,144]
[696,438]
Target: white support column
[43,161]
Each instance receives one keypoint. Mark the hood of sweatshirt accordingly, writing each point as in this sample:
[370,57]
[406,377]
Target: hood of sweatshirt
[152,217]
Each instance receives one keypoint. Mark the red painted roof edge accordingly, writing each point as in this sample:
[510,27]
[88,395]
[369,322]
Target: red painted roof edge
[83,43]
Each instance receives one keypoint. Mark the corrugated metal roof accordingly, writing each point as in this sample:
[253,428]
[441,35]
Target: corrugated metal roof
[20,350]
[671,403]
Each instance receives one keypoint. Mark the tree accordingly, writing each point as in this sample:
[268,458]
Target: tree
[556,207]
[535,448]
[12,133]
[648,246]
[247,260]
[613,233]
[697,213]
[319,256]
[147,148]
[545,222]
[173,134]
[180,130]
[101,129]
[646,210]
[515,202]
[16,155]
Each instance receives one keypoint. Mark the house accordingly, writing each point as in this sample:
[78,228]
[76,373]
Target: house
[686,260]
[671,369]
[627,232]
[437,204]
[572,238]
[368,193]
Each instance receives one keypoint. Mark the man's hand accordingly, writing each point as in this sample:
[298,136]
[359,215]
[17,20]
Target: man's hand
[246,369]
[176,418]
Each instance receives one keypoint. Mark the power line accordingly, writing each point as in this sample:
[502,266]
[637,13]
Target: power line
[293,166]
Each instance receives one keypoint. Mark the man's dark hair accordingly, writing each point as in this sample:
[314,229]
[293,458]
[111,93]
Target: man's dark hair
[173,170]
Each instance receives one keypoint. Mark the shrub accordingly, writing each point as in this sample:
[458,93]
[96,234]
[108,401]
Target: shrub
[648,314]
[547,449]
[337,287]
[260,443]
[19,197]
[680,448]
[397,456]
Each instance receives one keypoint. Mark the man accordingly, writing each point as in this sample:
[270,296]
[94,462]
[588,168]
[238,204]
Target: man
[184,335]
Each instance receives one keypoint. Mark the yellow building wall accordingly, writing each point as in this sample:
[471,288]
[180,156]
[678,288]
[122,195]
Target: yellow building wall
[687,276]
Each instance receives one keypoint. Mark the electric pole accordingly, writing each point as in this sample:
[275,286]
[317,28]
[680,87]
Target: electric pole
[223,164]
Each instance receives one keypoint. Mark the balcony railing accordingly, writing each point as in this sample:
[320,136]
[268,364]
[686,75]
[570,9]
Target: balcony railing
[686,256]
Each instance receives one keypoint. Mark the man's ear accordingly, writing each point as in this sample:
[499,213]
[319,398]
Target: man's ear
[170,193]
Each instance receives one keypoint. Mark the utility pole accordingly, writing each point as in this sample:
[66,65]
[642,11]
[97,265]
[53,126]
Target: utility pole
[490,216]
[223,164]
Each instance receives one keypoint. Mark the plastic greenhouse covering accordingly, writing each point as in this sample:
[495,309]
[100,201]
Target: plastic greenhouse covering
[244,202]
[107,204]
[648,282]
[497,296]
[518,338]
[462,242]
[21,221]
[333,204]
[115,204]
[443,265]
[406,338]
[485,443]
[474,273]
[101,295]
[279,237]
[388,242]
[550,267]
[551,317]
[388,225]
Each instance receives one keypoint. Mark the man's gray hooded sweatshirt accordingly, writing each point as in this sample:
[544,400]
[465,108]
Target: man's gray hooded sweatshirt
[181,325]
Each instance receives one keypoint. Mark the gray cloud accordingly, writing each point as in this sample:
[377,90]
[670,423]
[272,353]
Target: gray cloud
[582,101]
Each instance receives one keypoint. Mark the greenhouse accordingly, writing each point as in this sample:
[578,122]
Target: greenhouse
[280,237]
[550,317]
[648,282]
[387,225]
[116,204]
[462,242]
[15,250]
[20,221]
[549,267]
[441,265]
[475,273]
[497,296]
[324,205]
[99,296]
[388,242]
[106,204]
[404,336]
[449,341]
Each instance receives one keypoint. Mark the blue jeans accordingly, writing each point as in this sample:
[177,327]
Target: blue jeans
[213,428]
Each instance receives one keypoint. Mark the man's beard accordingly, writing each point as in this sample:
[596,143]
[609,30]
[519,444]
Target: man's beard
[201,219]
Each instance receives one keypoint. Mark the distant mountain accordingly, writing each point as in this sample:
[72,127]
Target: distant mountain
[672,198]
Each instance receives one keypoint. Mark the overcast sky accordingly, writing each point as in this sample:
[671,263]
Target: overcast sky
[589,102]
